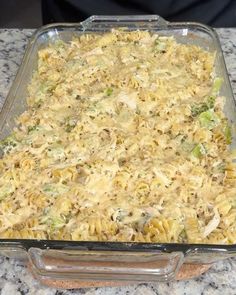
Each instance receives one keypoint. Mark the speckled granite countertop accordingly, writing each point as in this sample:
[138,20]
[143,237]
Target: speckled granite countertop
[15,278]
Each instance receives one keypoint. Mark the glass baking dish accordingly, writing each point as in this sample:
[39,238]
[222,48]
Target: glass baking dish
[111,261]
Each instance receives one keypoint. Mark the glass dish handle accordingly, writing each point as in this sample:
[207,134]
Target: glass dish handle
[104,265]
[138,21]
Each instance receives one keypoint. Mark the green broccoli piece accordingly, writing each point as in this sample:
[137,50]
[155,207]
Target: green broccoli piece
[216,86]
[210,103]
[8,144]
[70,124]
[228,134]
[59,45]
[33,128]
[159,45]
[109,91]
[54,222]
[55,189]
[6,190]
[198,151]
[56,151]
[198,109]
[208,119]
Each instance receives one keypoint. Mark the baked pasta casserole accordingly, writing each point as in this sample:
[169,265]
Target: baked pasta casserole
[124,139]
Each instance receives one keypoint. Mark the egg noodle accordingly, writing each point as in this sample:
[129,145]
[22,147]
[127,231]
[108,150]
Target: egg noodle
[124,139]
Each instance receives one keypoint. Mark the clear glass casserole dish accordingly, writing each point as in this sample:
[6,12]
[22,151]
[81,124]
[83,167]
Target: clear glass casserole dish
[111,261]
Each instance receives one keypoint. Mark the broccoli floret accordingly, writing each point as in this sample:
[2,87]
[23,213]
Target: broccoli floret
[55,189]
[198,151]
[109,91]
[216,86]
[208,119]
[33,128]
[228,134]
[210,102]
[8,144]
